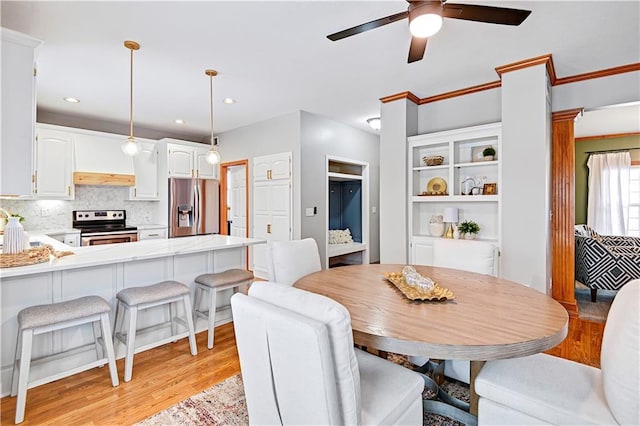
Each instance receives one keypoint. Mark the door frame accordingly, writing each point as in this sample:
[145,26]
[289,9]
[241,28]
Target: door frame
[224,167]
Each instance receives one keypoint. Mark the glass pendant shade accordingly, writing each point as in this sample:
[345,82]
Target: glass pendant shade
[213,156]
[424,19]
[130,146]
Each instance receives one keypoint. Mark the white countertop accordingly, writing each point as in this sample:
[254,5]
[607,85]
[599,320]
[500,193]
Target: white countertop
[125,252]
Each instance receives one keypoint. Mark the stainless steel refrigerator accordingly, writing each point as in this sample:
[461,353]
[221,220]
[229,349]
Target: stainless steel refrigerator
[194,207]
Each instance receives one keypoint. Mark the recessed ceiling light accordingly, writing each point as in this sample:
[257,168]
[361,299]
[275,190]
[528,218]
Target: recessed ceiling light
[179,121]
[71,100]
[229,101]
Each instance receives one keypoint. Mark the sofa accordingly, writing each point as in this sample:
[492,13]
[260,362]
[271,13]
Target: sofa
[605,262]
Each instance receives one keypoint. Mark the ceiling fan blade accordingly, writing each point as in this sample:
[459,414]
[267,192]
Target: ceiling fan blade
[417,48]
[490,14]
[368,26]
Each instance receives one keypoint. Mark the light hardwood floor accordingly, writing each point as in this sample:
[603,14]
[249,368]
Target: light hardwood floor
[166,375]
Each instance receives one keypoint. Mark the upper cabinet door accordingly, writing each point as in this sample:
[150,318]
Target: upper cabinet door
[18,113]
[180,161]
[145,165]
[269,167]
[54,165]
[204,170]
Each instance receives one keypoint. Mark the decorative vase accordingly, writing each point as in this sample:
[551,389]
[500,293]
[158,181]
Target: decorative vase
[469,236]
[436,229]
[456,233]
[13,236]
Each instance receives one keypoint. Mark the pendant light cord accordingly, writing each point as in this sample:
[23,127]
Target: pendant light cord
[131,96]
[211,102]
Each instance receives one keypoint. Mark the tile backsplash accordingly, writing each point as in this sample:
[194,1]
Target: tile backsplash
[56,214]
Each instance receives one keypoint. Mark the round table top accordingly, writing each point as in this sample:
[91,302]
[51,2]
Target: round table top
[490,318]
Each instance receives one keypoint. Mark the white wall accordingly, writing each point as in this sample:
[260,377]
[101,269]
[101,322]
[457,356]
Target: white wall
[461,111]
[279,134]
[319,137]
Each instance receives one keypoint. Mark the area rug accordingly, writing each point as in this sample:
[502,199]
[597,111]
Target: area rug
[224,404]
[590,311]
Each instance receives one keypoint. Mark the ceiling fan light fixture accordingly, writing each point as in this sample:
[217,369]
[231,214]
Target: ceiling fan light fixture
[130,146]
[213,156]
[425,20]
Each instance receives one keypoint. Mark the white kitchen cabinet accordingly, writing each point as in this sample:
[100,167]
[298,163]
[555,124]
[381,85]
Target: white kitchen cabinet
[433,188]
[272,204]
[18,113]
[54,164]
[145,167]
[188,160]
[152,233]
[98,152]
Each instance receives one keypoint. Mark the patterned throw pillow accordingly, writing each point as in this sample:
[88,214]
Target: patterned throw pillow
[339,236]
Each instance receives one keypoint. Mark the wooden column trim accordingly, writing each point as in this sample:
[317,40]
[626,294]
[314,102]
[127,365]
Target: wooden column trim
[609,136]
[462,92]
[563,208]
[530,62]
[598,74]
[403,95]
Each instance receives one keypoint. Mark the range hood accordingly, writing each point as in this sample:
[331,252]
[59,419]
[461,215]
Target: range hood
[100,161]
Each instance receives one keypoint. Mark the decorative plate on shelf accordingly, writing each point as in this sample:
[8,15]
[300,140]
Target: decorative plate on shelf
[437,186]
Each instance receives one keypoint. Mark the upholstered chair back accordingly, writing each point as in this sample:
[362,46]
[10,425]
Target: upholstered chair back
[288,261]
[472,256]
[620,355]
[286,364]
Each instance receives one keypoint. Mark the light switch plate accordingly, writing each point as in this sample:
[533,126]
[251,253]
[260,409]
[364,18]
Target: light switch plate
[374,209]
[309,211]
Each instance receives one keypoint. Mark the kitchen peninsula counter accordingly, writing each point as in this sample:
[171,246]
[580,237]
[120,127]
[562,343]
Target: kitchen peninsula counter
[104,271]
[84,257]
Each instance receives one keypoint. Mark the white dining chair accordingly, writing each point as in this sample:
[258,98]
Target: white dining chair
[287,261]
[473,256]
[299,365]
[544,389]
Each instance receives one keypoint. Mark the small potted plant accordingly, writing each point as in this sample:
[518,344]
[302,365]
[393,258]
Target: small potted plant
[488,153]
[469,229]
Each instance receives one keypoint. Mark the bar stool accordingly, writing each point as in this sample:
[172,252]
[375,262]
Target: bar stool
[47,318]
[213,283]
[136,298]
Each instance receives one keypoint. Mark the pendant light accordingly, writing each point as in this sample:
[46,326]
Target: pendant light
[130,146]
[213,156]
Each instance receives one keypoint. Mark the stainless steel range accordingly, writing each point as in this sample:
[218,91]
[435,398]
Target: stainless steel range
[103,227]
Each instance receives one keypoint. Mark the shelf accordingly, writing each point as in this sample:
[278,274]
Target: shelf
[431,237]
[421,168]
[455,199]
[476,164]
[341,177]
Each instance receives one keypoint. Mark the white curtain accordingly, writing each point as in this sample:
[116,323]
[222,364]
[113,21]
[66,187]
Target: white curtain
[609,189]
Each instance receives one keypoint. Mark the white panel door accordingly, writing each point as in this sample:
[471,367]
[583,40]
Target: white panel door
[54,165]
[238,213]
[271,205]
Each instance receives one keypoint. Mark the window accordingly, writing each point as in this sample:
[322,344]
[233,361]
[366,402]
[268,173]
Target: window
[634,203]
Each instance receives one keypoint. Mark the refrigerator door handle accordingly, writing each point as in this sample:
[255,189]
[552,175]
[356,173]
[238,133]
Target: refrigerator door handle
[196,208]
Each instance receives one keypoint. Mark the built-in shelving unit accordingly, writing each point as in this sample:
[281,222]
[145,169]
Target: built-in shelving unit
[458,182]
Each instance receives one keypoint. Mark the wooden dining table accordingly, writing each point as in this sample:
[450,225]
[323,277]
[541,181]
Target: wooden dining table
[489,317]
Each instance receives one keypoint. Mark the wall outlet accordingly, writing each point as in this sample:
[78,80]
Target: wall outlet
[374,210]
[309,211]
[44,212]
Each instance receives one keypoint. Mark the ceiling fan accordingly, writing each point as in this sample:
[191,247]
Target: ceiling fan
[425,19]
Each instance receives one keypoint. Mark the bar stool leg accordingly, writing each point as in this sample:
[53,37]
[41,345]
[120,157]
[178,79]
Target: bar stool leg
[108,348]
[23,380]
[213,296]
[14,374]
[197,296]
[172,318]
[192,334]
[131,341]
[99,349]
[116,328]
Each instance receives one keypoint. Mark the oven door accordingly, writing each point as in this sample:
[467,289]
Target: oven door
[95,240]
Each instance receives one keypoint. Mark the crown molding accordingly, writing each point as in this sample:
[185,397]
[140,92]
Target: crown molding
[547,60]
[598,74]
[609,136]
[462,92]
[566,115]
[403,95]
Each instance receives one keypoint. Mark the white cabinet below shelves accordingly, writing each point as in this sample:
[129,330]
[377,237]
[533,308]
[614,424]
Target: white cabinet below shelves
[54,165]
[145,167]
[421,251]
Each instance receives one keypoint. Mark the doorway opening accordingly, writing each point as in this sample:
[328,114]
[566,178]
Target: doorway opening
[234,199]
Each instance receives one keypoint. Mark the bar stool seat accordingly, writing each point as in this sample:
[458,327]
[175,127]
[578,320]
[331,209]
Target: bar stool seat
[134,299]
[213,283]
[41,319]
